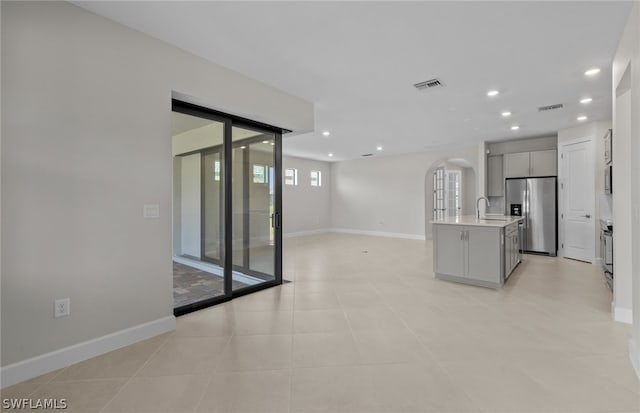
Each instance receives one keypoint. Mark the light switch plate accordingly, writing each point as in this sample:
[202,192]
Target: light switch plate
[151,211]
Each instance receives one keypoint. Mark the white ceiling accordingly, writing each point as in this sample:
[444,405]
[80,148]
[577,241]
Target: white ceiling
[357,62]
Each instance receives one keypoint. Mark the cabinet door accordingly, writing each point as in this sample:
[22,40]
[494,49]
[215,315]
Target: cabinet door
[448,241]
[516,165]
[544,163]
[495,176]
[484,253]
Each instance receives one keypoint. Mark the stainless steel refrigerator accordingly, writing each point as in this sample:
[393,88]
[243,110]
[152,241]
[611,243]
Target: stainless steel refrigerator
[535,199]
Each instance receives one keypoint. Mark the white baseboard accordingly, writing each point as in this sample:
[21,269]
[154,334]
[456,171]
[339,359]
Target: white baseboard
[634,355]
[622,315]
[378,233]
[305,233]
[46,363]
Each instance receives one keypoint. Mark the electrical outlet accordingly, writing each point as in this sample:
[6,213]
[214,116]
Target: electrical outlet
[61,307]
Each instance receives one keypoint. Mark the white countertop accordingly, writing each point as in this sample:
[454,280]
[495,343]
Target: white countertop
[498,221]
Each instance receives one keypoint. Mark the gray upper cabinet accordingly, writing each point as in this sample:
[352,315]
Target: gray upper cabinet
[495,176]
[544,163]
[516,165]
[527,164]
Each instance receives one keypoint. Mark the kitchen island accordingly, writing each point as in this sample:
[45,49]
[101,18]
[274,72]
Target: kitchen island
[480,251]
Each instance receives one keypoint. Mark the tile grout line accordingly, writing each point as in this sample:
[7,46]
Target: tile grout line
[435,359]
[134,375]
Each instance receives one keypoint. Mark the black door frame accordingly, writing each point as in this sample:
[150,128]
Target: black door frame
[229,121]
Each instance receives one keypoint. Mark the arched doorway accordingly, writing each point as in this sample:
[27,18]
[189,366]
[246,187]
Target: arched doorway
[450,189]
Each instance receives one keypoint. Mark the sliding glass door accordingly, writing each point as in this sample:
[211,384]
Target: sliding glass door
[255,216]
[212,205]
[227,202]
[198,174]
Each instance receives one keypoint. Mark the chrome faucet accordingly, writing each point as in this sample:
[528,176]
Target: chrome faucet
[478,205]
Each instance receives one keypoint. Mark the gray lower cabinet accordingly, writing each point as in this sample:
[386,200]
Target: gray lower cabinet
[511,248]
[449,250]
[470,254]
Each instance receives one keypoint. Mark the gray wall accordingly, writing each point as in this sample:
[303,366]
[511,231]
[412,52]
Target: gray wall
[523,145]
[306,209]
[390,195]
[469,184]
[86,142]
[626,177]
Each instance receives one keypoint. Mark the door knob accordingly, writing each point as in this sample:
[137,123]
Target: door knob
[587,216]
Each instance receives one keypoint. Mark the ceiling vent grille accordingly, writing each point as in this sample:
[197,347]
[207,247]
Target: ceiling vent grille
[428,84]
[550,107]
[367,154]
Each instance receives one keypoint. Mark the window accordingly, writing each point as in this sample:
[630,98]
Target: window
[291,176]
[453,199]
[447,193]
[216,170]
[438,193]
[316,178]
[260,174]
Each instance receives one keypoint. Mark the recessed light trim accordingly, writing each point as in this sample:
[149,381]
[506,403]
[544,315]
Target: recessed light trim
[586,100]
[492,93]
[326,133]
[379,148]
[265,141]
[592,72]
[330,155]
[582,118]
[506,113]
[515,127]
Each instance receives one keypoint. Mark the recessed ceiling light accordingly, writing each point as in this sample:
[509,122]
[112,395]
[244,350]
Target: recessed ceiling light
[272,143]
[265,141]
[586,100]
[492,93]
[515,127]
[379,148]
[330,155]
[581,118]
[326,133]
[243,147]
[592,72]
[505,114]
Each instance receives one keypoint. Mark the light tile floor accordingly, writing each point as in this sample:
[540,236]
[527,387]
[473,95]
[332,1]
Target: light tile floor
[365,327]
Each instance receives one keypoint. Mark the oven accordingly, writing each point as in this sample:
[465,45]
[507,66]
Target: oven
[608,179]
[606,250]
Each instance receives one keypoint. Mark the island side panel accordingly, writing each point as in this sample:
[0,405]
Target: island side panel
[485,255]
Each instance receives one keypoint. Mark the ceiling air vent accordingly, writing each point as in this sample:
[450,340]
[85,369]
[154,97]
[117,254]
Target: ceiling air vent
[367,154]
[550,107]
[428,84]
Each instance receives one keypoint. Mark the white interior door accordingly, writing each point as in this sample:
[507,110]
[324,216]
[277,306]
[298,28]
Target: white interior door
[577,189]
